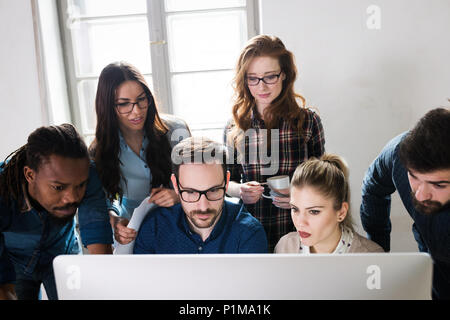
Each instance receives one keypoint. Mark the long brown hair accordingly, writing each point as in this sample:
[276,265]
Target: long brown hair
[329,176]
[285,106]
[105,149]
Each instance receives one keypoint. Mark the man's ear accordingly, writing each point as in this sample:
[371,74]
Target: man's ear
[174,183]
[29,174]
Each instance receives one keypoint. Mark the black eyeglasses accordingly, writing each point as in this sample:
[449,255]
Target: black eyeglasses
[270,79]
[127,107]
[192,195]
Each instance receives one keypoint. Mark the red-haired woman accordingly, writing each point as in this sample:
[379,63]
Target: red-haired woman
[265,99]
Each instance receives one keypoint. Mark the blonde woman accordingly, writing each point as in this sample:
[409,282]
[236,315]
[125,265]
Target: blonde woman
[266,101]
[320,210]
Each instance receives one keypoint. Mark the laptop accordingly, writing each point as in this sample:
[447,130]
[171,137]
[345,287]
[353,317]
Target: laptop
[244,276]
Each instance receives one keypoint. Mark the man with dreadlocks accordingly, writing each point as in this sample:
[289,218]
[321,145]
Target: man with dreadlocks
[42,185]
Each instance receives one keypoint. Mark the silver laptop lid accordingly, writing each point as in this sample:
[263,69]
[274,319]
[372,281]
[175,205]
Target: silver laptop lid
[244,276]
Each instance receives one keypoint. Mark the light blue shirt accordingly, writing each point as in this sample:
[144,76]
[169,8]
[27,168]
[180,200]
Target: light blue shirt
[136,178]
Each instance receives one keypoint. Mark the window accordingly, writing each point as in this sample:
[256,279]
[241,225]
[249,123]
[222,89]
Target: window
[187,51]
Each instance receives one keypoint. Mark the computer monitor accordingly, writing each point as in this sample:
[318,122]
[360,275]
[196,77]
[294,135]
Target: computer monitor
[244,276]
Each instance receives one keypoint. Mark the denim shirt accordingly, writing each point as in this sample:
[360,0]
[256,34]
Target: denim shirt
[432,232]
[30,239]
[166,230]
[136,179]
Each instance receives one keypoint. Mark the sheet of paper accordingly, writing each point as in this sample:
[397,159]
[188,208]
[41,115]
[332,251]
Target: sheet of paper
[135,222]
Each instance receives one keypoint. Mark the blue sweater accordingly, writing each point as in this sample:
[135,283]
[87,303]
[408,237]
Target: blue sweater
[166,230]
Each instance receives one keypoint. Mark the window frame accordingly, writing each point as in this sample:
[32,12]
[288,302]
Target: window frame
[160,74]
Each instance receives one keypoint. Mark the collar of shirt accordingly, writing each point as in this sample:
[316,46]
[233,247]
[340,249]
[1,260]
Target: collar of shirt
[343,246]
[257,122]
[125,148]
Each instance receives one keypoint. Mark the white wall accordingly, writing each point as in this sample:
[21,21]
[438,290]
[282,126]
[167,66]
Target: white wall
[369,85]
[20,107]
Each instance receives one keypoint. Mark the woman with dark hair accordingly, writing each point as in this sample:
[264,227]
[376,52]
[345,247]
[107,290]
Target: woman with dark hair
[267,113]
[131,149]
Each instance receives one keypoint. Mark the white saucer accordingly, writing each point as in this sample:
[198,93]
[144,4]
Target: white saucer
[273,194]
[267,197]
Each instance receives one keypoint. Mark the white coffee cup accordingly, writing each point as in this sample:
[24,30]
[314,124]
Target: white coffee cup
[278,182]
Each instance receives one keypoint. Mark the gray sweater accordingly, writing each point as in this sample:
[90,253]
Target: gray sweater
[178,128]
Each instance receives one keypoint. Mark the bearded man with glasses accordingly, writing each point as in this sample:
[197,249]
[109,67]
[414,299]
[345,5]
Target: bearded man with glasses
[203,221]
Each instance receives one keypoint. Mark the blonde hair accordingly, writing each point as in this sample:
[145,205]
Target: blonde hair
[329,176]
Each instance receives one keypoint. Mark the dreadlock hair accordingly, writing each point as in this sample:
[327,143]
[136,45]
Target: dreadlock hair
[62,140]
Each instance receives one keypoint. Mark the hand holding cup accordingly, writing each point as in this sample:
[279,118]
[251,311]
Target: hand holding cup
[250,192]
[279,193]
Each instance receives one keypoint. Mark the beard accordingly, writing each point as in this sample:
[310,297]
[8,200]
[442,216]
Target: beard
[195,222]
[215,214]
[63,219]
[428,207]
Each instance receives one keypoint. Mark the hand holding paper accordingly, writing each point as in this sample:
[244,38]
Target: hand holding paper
[136,219]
